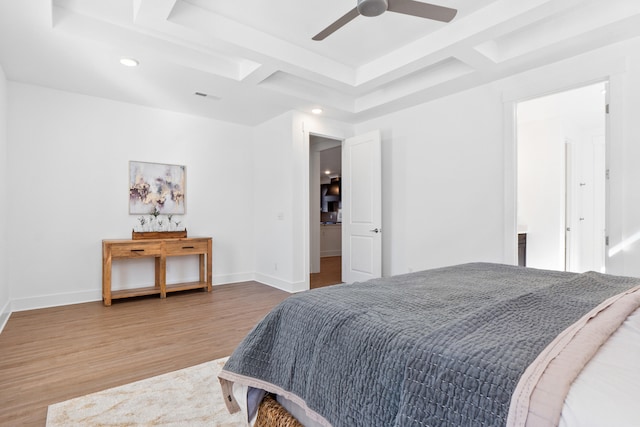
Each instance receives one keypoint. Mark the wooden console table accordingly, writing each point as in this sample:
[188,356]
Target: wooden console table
[160,249]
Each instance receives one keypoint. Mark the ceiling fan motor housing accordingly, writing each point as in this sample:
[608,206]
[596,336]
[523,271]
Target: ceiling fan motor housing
[372,7]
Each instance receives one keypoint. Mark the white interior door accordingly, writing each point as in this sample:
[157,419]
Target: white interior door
[571,227]
[361,208]
[586,197]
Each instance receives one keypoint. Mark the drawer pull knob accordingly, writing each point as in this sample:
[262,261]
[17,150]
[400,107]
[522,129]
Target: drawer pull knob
[137,250]
[188,247]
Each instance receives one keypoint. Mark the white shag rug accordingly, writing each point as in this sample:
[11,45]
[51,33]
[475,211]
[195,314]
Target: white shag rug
[188,397]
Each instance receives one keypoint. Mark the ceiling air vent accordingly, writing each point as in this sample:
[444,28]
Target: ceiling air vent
[206,95]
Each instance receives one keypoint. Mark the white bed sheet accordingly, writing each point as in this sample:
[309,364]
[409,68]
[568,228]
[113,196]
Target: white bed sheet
[607,391]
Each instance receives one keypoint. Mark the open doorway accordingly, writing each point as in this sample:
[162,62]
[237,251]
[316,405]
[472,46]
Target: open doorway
[561,180]
[325,205]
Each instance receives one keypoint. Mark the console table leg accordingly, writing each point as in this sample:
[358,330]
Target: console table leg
[161,275]
[209,265]
[106,278]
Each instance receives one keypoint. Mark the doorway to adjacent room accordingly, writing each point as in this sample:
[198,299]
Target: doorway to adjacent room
[561,202]
[325,205]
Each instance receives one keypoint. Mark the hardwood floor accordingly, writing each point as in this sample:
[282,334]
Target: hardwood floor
[330,272]
[54,354]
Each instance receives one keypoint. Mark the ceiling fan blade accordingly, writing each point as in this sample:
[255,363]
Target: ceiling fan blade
[422,10]
[348,17]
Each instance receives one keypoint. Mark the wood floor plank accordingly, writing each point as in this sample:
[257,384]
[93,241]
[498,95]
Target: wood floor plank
[330,272]
[54,354]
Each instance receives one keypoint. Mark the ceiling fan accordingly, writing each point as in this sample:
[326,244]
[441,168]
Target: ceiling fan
[378,7]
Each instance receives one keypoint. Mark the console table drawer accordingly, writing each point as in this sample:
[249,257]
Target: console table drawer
[186,247]
[137,249]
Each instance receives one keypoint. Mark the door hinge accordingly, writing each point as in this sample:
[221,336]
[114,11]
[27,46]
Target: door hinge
[606,240]
[606,108]
[607,174]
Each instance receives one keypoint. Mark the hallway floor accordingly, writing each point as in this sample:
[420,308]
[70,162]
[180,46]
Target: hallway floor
[330,272]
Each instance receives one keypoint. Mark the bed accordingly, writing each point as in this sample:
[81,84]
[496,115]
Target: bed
[470,345]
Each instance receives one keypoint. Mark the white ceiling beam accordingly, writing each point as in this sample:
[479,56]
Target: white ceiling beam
[152,10]
[486,23]
[230,36]
[259,74]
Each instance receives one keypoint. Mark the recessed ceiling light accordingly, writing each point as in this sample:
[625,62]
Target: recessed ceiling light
[317,111]
[129,62]
[327,172]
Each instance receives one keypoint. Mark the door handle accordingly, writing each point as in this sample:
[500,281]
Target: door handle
[376,230]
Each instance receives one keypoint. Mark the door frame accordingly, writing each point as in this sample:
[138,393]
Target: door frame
[510,244]
[314,195]
[308,129]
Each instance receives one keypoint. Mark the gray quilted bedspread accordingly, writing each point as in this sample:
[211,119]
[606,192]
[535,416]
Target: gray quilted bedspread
[441,347]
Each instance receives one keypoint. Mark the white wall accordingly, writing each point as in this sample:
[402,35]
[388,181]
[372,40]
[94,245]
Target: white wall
[624,209]
[68,180]
[273,186]
[541,191]
[442,190]
[5,308]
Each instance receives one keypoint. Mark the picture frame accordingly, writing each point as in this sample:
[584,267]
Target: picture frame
[157,187]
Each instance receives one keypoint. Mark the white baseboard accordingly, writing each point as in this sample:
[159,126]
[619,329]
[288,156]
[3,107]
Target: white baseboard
[225,279]
[283,285]
[5,313]
[55,300]
[299,287]
[335,252]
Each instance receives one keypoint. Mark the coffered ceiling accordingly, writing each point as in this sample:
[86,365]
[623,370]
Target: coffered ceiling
[254,59]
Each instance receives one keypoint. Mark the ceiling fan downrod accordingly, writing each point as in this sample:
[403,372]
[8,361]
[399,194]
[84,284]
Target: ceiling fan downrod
[372,7]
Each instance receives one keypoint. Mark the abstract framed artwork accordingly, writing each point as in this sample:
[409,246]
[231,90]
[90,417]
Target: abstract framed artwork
[156,186]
